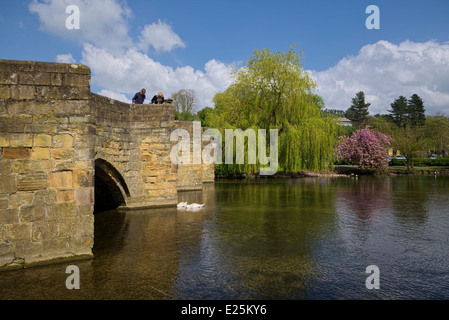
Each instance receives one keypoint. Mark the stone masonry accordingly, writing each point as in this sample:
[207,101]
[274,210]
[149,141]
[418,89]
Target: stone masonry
[56,139]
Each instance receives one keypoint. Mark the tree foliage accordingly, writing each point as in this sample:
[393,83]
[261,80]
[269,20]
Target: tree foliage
[408,112]
[274,92]
[358,112]
[436,130]
[416,111]
[399,111]
[412,143]
[366,148]
[184,100]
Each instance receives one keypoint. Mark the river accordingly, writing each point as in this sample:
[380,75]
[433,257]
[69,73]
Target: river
[306,238]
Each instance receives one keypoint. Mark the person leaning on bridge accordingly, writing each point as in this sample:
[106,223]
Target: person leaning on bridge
[158,99]
[139,97]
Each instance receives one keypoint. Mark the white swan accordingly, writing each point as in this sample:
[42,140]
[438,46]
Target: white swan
[182,205]
[194,206]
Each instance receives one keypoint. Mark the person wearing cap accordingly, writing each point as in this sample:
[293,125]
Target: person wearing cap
[158,99]
[139,97]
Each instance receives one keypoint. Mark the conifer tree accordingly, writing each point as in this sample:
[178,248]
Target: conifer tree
[399,111]
[358,112]
[416,111]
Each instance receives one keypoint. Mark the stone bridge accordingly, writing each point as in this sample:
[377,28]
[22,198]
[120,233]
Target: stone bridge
[66,153]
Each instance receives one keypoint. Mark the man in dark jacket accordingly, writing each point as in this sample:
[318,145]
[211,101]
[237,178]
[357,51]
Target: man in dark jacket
[139,97]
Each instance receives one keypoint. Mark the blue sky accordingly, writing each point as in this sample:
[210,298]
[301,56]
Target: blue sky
[172,45]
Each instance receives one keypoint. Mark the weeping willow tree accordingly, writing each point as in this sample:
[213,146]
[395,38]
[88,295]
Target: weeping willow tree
[274,92]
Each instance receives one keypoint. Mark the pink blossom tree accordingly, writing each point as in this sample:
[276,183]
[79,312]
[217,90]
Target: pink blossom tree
[366,148]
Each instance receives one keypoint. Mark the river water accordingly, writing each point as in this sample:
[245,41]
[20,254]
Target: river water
[266,239]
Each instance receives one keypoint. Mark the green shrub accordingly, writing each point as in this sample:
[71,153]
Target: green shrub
[398,162]
[422,162]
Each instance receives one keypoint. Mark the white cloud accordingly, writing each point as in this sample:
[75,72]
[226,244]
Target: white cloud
[65,58]
[119,66]
[114,95]
[129,72]
[160,36]
[384,71]
[102,22]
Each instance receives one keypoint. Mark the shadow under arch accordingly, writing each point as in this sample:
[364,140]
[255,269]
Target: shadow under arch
[111,190]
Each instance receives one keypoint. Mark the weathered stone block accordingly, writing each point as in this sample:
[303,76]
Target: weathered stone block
[4,141]
[7,77]
[83,178]
[66,196]
[44,230]
[5,92]
[4,202]
[32,213]
[47,197]
[77,80]
[23,166]
[56,79]
[27,78]
[75,93]
[40,153]
[32,181]
[84,196]
[42,140]
[65,210]
[62,153]
[86,210]
[62,141]
[22,92]
[41,128]
[18,233]
[85,154]
[20,199]
[48,92]
[63,164]
[16,153]
[42,78]
[50,67]
[61,180]
[21,140]
[11,119]
[67,225]
[9,216]
[8,184]
[17,66]
[79,69]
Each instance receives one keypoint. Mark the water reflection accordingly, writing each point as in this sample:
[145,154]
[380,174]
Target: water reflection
[266,239]
[261,242]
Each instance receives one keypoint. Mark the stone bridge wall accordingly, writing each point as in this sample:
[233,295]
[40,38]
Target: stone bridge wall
[46,161]
[135,139]
[53,131]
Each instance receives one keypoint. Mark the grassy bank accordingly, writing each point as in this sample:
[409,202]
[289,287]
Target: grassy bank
[440,170]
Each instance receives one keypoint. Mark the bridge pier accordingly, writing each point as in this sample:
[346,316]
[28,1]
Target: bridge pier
[56,139]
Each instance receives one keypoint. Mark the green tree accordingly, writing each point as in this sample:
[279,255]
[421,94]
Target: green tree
[184,116]
[204,116]
[274,92]
[436,130]
[416,111]
[411,143]
[399,111]
[358,112]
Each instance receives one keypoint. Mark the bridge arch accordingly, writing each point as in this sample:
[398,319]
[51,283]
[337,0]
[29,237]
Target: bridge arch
[111,190]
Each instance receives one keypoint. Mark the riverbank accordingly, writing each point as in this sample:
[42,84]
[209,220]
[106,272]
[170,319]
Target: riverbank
[344,171]
[395,170]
